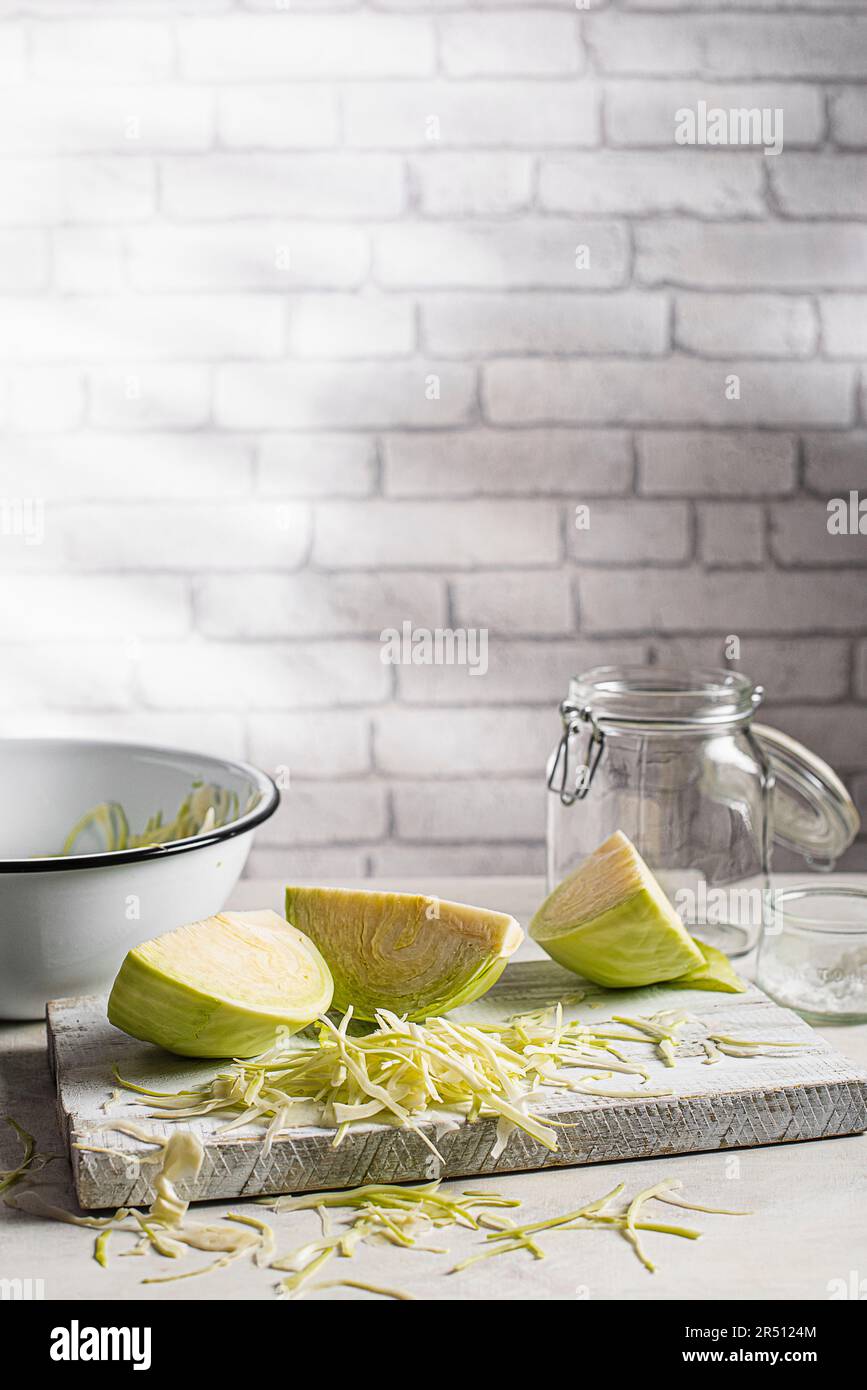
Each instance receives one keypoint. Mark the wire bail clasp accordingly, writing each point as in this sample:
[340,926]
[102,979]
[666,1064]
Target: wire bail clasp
[574,717]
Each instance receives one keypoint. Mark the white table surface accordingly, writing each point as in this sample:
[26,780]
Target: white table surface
[806,1238]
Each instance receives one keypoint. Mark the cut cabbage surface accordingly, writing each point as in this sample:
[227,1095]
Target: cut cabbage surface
[228,986]
[412,955]
[611,922]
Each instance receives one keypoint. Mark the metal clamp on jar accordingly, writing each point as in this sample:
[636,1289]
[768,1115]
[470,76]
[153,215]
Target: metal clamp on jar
[673,759]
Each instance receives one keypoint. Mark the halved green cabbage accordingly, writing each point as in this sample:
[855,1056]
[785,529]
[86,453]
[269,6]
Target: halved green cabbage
[228,986]
[611,922]
[413,955]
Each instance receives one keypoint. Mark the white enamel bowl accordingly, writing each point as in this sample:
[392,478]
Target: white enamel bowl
[66,924]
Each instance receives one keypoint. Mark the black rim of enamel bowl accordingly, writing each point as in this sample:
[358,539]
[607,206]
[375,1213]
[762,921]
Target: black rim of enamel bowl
[270,800]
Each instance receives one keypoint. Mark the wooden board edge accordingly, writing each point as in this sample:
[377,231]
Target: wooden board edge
[54,1010]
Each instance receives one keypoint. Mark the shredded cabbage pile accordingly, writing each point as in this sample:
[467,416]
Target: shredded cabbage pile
[399,1073]
[403,1216]
[205,808]
[402,1073]
[441,1072]
[406,1216]
[382,1214]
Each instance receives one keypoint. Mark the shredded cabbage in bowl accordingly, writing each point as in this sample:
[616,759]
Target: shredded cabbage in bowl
[206,807]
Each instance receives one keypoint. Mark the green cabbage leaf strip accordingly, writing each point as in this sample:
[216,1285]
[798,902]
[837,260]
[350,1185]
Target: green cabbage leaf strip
[13,1175]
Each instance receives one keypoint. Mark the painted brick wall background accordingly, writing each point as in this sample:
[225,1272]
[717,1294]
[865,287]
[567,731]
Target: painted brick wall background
[240,249]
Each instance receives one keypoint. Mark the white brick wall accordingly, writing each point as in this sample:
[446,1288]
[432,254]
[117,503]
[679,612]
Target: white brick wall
[320,318]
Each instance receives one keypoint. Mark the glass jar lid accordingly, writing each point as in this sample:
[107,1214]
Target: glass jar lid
[814,814]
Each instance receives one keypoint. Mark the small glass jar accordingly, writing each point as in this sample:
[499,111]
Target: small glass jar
[813,955]
[673,759]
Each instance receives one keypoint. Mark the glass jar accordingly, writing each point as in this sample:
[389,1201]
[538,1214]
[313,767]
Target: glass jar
[813,957]
[673,759]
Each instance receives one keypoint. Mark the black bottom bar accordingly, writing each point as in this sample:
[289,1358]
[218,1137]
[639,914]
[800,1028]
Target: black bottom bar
[595,1338]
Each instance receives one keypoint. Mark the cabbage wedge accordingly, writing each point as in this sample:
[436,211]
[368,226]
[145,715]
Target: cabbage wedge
[228,986]
[611,922]
[412,955]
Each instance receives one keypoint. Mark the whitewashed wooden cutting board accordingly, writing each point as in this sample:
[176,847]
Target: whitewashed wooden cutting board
[811,1092]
